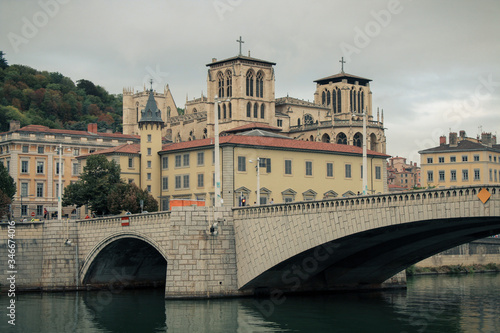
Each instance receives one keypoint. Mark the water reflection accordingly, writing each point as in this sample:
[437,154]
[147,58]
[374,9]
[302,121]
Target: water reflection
[431,304]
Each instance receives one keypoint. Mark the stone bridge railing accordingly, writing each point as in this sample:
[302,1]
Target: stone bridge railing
[369,201]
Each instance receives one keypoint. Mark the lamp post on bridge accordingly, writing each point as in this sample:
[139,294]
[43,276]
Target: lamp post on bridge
[365,158]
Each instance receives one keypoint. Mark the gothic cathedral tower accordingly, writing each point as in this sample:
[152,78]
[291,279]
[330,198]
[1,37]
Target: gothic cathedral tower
[150,130]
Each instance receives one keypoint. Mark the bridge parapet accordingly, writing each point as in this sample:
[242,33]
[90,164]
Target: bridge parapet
[417,197]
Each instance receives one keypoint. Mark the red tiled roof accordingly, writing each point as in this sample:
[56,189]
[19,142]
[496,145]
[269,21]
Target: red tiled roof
[123,149]
[253,125]
[273,143]
[45,129]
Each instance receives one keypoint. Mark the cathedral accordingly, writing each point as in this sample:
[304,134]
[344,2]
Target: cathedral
[245,90]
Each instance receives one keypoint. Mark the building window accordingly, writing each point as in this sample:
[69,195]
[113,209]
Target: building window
[453,175]
[201,180]
[464,158]
[178,182]
[229,83]
[130,162]
[164,162]
[39,167]
[430,176]
[476,158]
[164,183]
[25,149]
[149,151]
[61,167]
[249,110]
[24,189]
[309,168]
[329,169]
[148,188]
[40,150]
[288,167]
[491,175]
[178,161]
[148,175]
[24,166]
[76,151]
[149,164]
[259,89]
[39,210]
[496,179]
[76,169]
[249,83]
[429,160]
[262,111]
[149,137]
[347,171]
[242,164]
[185,181]
[477,174]
[453,159]
[279,122]
[200,158]
[220,82]
[378,172]
[265,163]
[255,110]
[441,159]
[185,160]
[465,175]
[39,190]
[441,176]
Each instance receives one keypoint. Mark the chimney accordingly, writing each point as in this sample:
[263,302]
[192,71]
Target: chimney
[442,140]
[453,139]
[92,128]
[462,134]
[214,59]
[486,139]
[14,125]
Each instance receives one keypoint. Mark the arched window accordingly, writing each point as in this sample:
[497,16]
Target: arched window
[137,110]
[259,88]
[249,110]
[358,140]
[224,110]
[298,122]
[218,107]
[229,83]
[262,111]
[220,80]
[327,98]
[373,142]
[334,101]
[325,138]
[323,98]
[308,119]
[250,83]
[255,110]
[194,110]
[230,111]
[341,139]
[360,108]
[339,101]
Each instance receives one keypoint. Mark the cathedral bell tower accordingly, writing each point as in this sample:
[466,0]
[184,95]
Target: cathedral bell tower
[150,131]
[245,88]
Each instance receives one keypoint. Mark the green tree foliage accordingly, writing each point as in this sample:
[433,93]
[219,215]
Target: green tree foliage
[53,100]
[127,197]
[7,190]
[98,180]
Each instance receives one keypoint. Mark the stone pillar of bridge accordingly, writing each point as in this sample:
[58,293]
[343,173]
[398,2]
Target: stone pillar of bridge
[201,261]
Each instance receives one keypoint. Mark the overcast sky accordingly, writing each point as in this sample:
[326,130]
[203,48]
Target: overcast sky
[435,65]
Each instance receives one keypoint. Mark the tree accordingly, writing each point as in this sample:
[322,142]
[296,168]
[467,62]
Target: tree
[127,197]
[98,180]
[7,190]
[3,61]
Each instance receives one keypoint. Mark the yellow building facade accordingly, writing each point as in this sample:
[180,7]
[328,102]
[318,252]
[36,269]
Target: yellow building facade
[463,161]
[289,170]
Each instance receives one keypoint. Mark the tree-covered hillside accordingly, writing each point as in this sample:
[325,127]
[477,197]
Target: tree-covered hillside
[51,99]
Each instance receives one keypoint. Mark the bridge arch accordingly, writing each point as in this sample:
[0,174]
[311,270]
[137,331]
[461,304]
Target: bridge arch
[127,259]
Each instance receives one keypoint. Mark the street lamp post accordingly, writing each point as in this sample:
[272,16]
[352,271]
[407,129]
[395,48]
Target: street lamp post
[59,191]
[216,156]
[365,159]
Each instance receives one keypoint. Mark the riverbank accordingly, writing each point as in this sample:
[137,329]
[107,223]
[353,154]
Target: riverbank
[453,269]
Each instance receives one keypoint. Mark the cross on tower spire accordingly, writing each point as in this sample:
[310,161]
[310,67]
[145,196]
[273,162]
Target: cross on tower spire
[342,62]
[241,42]
[151,82]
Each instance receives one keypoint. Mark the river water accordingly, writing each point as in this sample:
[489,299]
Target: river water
[460,303]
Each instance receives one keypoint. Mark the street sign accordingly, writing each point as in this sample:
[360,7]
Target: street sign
[32,213]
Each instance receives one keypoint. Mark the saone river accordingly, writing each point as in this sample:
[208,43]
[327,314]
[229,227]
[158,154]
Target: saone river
[461,303]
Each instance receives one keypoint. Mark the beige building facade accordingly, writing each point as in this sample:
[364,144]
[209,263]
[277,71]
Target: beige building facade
[31,154]
[461,161]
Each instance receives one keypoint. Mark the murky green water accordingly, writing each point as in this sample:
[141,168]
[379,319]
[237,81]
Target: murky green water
[430,304]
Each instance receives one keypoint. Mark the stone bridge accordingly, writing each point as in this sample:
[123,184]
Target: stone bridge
[355,242]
